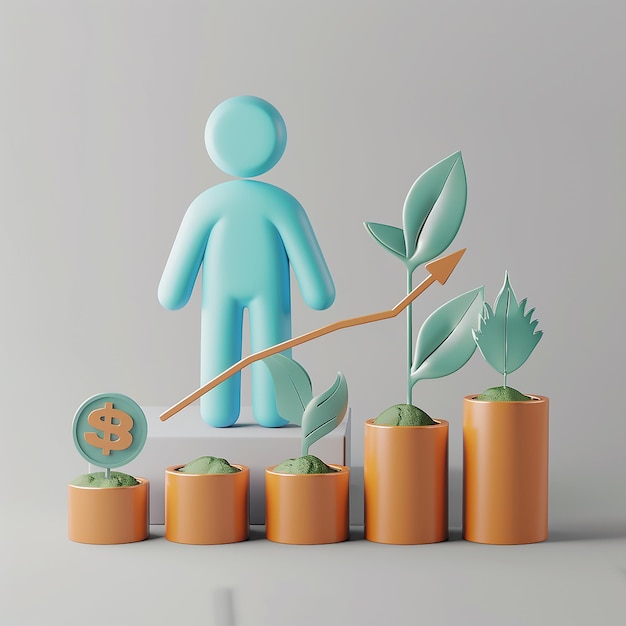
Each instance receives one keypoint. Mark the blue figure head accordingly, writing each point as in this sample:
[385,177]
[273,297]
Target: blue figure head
[245,136]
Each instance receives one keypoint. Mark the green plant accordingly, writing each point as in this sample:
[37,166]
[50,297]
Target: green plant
[317,416]
[431,217]
[506,336]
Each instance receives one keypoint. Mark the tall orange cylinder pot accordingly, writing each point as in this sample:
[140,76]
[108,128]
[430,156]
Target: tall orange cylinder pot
[307,509]
[406,483]
[100,515]
[207,509]
[505,471]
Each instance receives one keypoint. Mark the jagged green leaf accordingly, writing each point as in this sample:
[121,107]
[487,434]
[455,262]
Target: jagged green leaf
[445,342]
[324,413]
[292,387]
[434,209]
[390,237]
[506,335]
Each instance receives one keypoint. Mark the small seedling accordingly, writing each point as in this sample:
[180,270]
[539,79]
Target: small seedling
[506,336]
[317,416]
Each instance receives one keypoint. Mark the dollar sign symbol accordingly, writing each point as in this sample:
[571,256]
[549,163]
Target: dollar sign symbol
[115,426]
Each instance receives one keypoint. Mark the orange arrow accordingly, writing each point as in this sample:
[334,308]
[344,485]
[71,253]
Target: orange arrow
[439,271]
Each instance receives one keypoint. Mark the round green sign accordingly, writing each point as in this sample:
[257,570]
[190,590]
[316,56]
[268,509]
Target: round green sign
[110,429]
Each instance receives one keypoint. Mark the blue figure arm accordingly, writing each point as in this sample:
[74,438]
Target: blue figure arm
[304,253]
[187,254]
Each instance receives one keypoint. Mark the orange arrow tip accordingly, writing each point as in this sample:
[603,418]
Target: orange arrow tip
[441,269]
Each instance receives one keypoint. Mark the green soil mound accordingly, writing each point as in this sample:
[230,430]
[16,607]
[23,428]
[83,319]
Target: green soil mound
[209,465]
[502,394]
[97,479]
[404,415]
[308,464]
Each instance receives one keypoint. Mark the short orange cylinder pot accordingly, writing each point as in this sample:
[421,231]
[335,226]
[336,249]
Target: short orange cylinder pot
[406,483]
[307,509]
[207,509]
[112,515]
[505,471]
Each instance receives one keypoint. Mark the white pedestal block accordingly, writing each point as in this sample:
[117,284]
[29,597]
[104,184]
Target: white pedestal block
[185,437]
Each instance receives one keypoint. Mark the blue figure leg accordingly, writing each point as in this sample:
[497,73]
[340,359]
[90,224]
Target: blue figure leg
[220,348]
[270,324]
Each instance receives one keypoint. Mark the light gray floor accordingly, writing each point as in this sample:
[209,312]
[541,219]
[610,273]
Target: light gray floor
[577,577]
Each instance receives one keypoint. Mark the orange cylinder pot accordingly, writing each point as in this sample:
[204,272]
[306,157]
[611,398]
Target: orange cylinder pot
[109,515]
[205,509]
[307,508]
[406,483]
[505,471]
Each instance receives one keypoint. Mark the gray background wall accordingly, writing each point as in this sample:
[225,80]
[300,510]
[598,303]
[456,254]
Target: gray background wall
[101,151]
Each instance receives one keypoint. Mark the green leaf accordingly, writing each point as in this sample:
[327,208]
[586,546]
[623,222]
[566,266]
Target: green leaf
[324,413]
[434,209]
[390,237]
[506,335]
[445,342]
[292,386]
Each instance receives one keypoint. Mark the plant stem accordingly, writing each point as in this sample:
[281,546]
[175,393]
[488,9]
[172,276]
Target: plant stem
[409,335]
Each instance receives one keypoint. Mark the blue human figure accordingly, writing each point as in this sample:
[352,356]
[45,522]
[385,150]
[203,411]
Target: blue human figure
[244,233]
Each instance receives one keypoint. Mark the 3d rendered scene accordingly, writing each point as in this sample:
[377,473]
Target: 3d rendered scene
[304,298]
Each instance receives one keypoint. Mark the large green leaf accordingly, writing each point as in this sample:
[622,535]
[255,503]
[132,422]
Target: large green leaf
[390,237]
[506,335]
[324,413]
[433,210]
[445,342]
[292,386]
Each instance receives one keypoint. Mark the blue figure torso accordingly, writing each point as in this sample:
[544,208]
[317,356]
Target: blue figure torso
[246,240]
[244,234]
